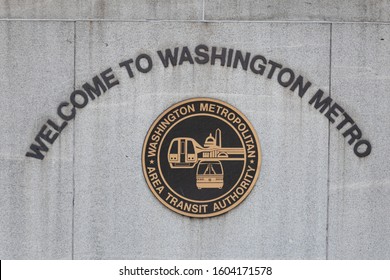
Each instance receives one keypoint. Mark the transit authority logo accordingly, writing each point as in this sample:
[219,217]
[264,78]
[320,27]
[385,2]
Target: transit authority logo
[201,157]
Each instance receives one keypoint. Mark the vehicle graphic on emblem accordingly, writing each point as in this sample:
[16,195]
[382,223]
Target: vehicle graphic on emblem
[189,167]
[209,175]
[185,152]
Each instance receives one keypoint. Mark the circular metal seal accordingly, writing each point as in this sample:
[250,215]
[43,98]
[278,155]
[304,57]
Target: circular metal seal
[201,157]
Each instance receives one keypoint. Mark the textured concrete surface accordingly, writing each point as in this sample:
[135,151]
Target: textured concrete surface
[116,216]
[101,9]
[359,221]
[287,10]
[36,69]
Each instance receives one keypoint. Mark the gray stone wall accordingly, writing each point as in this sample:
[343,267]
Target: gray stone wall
[315,199]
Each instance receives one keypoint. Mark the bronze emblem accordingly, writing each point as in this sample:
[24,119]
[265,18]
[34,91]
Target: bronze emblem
[201,157]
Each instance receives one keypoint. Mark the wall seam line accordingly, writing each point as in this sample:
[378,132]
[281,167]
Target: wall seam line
[209,20]
[328,171]
[74,138]
[203,11]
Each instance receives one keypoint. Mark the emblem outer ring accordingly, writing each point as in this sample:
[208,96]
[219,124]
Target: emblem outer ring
[258,159]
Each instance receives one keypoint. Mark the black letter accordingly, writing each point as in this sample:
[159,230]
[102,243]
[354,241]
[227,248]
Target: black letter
[299,83]
[185,56]
[138,64]
[347,119]
[215,56]
[354,136]
[98,84]
[320,103]
[127,65]
[107,79]
[168,57]
[366,152]
[261,67]
[73,99]
[333,111]
[239,57]
[62,115]
[204,55]
[229,58]
[37,149]
[55,126]
[290,80]
[45,134]
[274,65]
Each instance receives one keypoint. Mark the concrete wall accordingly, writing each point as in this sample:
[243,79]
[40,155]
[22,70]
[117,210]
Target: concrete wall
[315,199]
